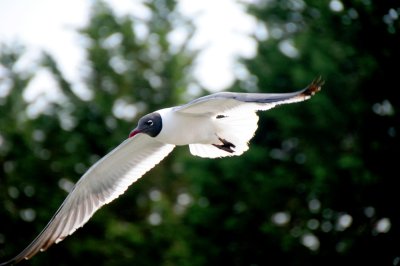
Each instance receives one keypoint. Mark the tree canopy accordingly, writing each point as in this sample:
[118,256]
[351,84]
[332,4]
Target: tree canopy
[317,186]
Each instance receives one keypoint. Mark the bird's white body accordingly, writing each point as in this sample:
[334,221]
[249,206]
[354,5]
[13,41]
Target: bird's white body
[200,128]
[206,130]
[216,125]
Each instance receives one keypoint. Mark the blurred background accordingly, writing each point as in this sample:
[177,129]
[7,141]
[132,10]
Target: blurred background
[317,187]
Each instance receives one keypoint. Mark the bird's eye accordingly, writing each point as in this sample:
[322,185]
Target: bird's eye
[149,123]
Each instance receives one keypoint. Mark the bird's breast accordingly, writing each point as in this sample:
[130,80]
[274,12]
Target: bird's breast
[184,129]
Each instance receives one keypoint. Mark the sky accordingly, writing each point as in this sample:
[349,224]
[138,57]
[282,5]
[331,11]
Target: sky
[223,30]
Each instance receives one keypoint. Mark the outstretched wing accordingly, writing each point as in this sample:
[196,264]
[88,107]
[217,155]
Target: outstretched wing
[235,119]
[101,184]
[226,101]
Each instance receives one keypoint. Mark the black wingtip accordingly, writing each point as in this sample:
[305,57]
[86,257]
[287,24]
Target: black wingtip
[314,87]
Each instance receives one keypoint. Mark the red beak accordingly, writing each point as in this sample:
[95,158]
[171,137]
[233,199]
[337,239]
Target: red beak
[133,133]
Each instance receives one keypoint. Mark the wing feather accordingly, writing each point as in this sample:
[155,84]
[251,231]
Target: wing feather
[101,184]
[225,101]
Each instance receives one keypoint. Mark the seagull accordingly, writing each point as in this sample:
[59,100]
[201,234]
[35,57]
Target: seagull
[216,125]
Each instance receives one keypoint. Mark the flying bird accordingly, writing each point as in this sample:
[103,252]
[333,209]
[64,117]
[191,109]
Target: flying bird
[216,125]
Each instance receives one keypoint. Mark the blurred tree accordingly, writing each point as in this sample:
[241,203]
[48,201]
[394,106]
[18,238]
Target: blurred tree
[317,186]
[132,68]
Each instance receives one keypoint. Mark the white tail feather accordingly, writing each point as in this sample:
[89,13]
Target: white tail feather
[208,151]
[236,126]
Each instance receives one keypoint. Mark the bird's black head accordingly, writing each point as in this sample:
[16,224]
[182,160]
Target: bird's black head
[150,124]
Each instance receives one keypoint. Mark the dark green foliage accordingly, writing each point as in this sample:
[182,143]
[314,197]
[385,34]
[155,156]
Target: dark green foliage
[321,172]
[327,166]
[41,155]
